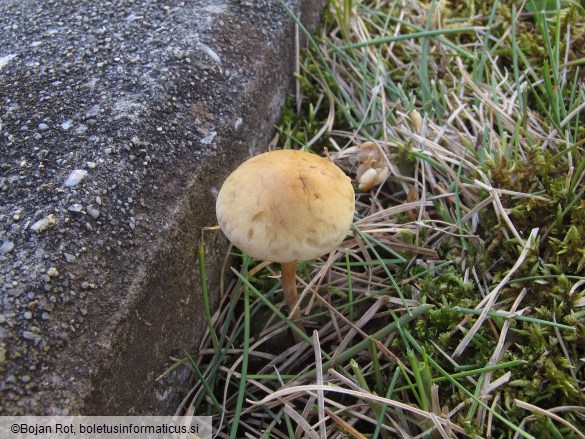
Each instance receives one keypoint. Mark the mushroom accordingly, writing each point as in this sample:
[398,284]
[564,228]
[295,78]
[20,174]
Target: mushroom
[372,170]
[284,206]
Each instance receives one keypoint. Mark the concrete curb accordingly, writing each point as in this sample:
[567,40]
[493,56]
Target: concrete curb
[119,121]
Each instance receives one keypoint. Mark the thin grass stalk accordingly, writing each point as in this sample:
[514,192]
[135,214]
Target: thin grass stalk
[320,380]
[511,316]
[245,354]
[205,293]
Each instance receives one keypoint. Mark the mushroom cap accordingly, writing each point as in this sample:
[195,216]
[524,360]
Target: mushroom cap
[286,205]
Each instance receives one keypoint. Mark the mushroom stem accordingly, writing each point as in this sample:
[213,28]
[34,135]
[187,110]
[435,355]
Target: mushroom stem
[289,286]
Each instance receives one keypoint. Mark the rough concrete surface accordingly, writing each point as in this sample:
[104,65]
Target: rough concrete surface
[119,120]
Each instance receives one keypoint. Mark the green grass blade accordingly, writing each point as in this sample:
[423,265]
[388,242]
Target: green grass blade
[245,354]
[205,293]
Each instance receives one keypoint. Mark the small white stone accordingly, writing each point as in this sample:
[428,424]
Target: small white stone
[44,224]
[6,59]
[6,247]
[75,207]
[35,338]
[211,53]
[53,272]
[94,213]
[209,138]
[67,124]
[75,177]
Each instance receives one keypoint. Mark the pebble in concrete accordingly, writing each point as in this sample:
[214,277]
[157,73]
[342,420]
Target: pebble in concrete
[44,224]
[75,176]
[6,247]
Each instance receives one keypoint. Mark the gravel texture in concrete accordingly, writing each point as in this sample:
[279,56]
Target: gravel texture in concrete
[118,122]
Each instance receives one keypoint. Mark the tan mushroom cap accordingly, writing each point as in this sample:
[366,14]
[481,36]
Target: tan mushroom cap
[286,205]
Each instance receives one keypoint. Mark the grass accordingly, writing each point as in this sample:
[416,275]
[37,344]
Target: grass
[456,306]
